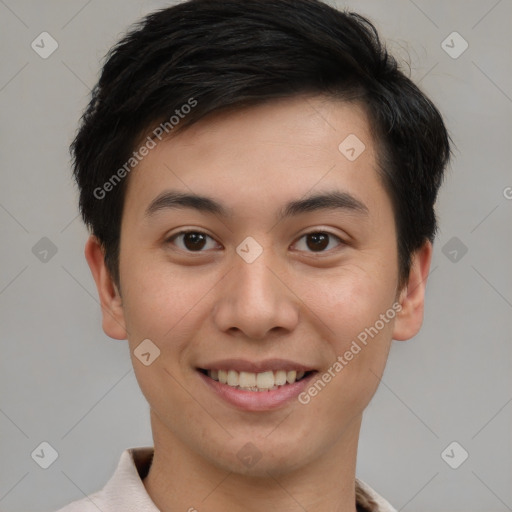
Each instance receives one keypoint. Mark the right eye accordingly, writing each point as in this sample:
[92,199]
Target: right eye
[191,241]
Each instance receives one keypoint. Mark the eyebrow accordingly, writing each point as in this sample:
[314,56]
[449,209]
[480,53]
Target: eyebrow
[322,201]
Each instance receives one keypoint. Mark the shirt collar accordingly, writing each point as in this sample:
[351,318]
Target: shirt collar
[125,490]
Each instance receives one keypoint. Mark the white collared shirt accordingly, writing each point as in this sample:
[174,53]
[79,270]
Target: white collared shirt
[125,491]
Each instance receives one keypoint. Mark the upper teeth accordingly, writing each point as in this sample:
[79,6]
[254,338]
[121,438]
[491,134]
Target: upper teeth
[263,381]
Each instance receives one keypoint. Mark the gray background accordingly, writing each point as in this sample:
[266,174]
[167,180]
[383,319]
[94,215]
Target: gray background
[64,382]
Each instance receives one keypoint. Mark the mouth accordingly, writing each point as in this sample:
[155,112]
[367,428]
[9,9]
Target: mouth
[256,387]
[259,382]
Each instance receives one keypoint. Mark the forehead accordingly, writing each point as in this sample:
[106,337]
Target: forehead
[283,147]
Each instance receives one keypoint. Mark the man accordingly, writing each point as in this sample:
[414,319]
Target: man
[259,179]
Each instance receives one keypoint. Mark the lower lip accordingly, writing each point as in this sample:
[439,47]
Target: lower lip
[257,400]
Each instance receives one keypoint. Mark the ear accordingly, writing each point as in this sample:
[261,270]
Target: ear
[110,299]
[412,297]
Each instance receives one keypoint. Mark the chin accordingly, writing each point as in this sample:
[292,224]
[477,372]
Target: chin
[261,458]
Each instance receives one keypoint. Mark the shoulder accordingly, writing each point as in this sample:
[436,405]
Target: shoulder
[124,491]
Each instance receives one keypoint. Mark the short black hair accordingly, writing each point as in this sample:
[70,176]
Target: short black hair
[213,55]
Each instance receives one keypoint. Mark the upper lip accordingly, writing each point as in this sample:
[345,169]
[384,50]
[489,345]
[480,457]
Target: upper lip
[242,365]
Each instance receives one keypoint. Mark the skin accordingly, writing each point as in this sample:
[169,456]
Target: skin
[292,302]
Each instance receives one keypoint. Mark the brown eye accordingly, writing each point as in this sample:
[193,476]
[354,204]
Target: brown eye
[192,241]
[318,241]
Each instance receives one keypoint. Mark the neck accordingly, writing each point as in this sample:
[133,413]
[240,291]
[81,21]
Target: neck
[180,479]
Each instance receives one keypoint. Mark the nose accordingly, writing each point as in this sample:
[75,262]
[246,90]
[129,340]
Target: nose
[255,300]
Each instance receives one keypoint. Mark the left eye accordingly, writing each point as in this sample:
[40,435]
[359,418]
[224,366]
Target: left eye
[318,241]
[194,241]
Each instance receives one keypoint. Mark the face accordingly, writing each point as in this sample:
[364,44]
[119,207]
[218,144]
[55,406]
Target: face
[282,280]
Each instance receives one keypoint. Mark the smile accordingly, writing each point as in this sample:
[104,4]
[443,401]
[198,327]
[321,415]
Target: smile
[250,381]
[262,386]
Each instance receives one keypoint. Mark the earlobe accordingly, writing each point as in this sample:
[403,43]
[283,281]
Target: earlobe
[110,299]
[412,297]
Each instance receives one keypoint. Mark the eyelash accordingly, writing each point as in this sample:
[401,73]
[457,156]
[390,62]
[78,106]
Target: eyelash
[332,235]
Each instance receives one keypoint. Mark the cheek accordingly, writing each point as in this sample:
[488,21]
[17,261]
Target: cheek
[349,302]
[357,319]
[357,309]
[158,301]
